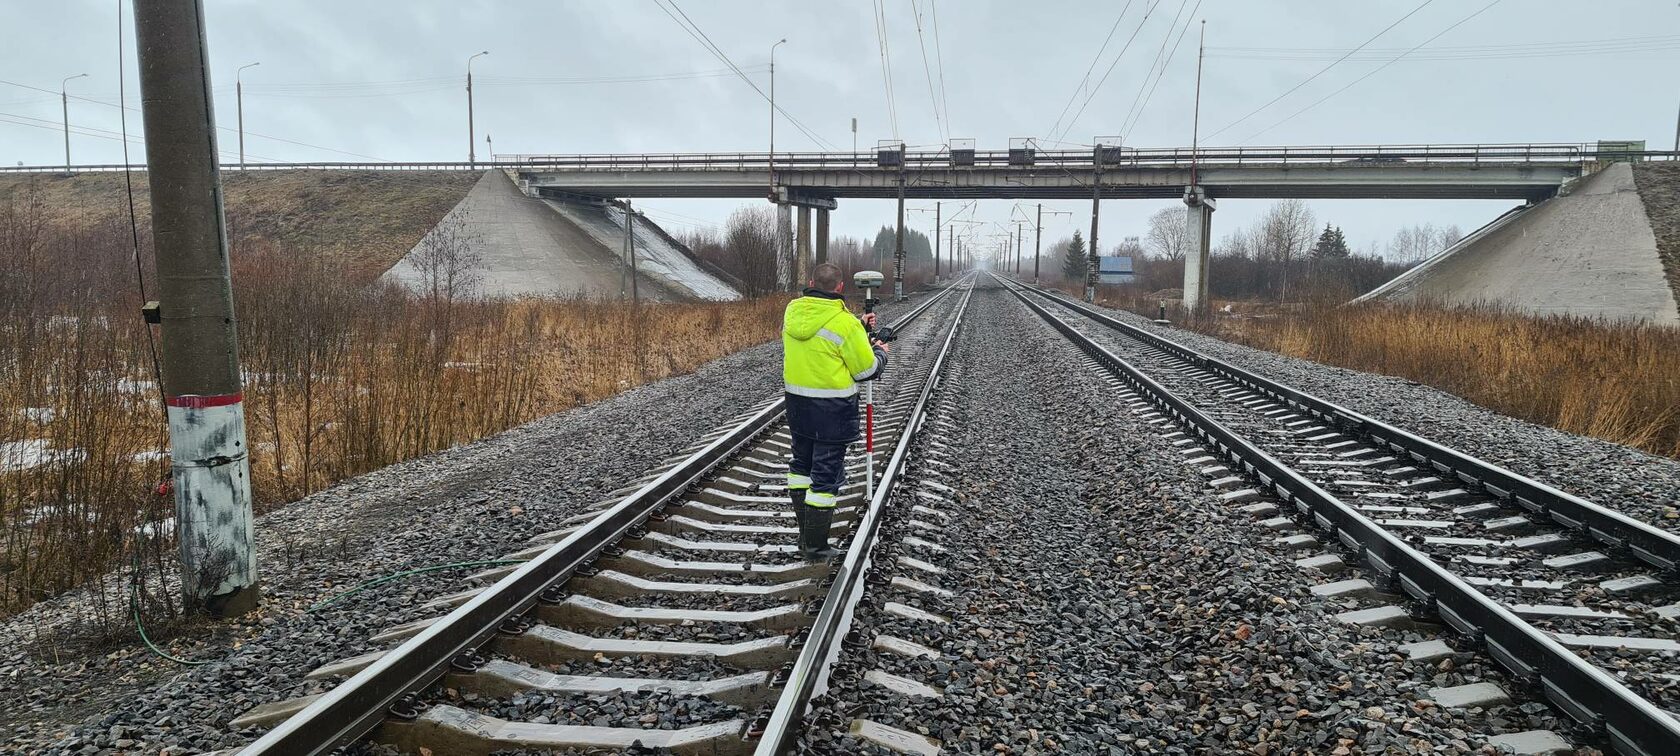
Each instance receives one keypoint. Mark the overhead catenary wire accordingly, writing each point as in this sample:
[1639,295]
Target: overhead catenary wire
[1320,72]
[1134,119]
[933,96]
[1560,48]
[1374,71]
[886,64]
[939,59]
[1086,79]
[1098,88]
[1159,64]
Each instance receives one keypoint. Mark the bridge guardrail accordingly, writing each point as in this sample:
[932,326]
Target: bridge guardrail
[1165,157]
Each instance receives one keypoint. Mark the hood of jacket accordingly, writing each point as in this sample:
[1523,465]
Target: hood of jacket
[810,313]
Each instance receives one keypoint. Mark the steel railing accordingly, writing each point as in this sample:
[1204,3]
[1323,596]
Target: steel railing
[1084,159]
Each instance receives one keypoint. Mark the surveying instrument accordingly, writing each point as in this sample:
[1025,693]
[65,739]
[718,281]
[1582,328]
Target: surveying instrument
[869,281]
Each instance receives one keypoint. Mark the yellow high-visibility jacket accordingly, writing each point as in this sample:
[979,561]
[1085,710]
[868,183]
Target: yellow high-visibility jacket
[826,350]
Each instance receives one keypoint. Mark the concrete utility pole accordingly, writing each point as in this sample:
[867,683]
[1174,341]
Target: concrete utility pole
[239,97]
[1038,241]
[210,469]
[472,157]
[898,245]
[854,139]
[64,97]
[1096,208]
[936,222]
[1017,248]
[630,250]
[489,148]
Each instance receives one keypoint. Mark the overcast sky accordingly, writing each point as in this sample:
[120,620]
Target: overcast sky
[384,80]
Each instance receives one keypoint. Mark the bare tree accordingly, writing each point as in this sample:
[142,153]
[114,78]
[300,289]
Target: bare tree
[749,237]
[1286,232]
[1167,236]
[1414,244]
[449,261]
[1131,247]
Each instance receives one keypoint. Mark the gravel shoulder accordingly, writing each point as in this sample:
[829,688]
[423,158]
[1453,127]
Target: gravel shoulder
[1108,602]
[1639,485]
[475,501]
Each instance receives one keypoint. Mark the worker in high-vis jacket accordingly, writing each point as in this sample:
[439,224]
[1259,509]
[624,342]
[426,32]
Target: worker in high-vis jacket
[826,351]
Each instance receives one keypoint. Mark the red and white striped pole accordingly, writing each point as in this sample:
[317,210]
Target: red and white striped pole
[211,471]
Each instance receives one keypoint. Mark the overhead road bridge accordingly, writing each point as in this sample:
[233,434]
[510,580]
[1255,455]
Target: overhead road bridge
[1498,171]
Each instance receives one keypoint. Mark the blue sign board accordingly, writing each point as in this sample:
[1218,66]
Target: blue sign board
[1114,270]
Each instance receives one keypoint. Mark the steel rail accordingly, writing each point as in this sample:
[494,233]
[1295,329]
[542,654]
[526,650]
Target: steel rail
[1651,545]
[1634,725]
[357,705]
[809,675]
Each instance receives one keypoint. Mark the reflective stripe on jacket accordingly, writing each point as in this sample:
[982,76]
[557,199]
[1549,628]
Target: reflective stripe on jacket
[825,349]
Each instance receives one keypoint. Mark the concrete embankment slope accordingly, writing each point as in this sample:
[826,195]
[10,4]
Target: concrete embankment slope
[525,246]
[1592,251]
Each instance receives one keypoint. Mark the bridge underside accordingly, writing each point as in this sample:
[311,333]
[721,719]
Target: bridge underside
[1508,182]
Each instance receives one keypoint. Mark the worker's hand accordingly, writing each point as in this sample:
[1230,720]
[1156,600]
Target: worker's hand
[881,345]
[868,320]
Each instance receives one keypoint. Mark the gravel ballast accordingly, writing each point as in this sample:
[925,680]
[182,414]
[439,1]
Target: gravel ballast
[476,501]
[1637,484]
[1106,601]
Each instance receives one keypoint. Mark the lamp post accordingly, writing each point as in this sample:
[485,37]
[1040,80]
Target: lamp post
[472,157]
[239,97]
[64,98]
[773,47]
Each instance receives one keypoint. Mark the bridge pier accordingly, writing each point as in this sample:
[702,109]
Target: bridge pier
[822,235]
[1198,227]
[802,250]
[785,266]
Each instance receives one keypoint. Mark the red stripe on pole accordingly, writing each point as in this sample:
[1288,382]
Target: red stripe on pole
[199,401]
[869,425]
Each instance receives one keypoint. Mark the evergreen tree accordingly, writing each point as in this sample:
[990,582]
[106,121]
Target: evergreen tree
[1331,245]
[1073,259]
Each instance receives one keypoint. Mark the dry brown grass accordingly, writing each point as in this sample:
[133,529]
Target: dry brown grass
[341,378]
[1616,381]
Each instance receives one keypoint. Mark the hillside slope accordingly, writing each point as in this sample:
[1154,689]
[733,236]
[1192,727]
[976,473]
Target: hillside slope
[367,219]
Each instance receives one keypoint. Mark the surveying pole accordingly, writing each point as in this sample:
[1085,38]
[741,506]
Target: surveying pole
[210,470]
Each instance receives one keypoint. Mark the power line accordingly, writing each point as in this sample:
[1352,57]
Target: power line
[17,119]
[1373,71]
[222,128]
[1088,69]
[1160,62]
[1127,130]
[938,121]
[1098,88]
[1521,49]
[688,25]
[1320,72]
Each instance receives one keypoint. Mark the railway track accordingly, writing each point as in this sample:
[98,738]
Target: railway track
[1576,601]
[683,591]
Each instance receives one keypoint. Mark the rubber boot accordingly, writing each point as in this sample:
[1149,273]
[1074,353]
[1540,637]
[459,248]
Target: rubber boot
[813,535]
[798,497]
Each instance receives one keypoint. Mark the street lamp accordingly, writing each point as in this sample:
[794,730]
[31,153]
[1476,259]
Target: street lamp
[64,97]
[239,96]
[472,157]
[773,118]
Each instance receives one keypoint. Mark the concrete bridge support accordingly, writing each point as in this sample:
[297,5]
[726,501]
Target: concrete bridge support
[803,250]
[822,236]
[786,267]
[1198,227]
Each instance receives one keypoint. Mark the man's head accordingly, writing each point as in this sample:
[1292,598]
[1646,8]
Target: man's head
[827,277]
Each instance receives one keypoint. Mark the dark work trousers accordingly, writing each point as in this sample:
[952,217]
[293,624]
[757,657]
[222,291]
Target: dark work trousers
[821,430]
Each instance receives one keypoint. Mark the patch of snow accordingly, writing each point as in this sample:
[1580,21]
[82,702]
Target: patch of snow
[38,414]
